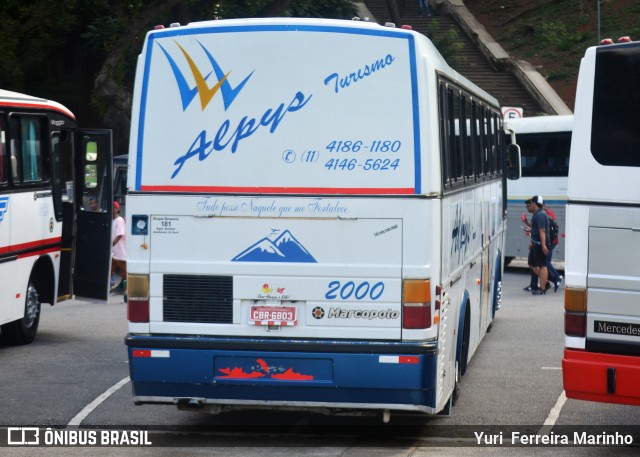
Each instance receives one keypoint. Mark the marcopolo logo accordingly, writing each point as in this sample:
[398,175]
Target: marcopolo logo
[204,88]
[370,314]
[317,312]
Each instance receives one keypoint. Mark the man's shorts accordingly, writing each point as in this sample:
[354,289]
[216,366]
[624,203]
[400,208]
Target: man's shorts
[537,257]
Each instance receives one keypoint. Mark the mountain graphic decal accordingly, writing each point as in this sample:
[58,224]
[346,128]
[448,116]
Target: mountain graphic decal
[284,248]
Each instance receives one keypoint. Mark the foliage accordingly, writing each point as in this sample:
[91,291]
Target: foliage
[554,34]
[82,53]
[448,44]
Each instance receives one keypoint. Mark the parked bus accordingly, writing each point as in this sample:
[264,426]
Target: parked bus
[313,236]
[602,297]
[55,211]
[544,143]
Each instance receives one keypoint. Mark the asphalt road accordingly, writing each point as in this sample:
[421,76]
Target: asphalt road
[76,373]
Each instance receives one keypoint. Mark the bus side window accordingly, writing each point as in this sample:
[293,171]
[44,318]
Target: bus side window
[467,119]
[93,198]
[3,150]
[444,137]
[26,149]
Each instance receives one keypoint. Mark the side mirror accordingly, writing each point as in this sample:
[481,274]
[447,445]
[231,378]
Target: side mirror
[514,165]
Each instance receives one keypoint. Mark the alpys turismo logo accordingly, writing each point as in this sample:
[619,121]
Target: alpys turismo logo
[202,88]
[4,206]
[283,248]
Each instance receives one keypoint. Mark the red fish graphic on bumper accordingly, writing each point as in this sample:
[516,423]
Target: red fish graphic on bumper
[239,373]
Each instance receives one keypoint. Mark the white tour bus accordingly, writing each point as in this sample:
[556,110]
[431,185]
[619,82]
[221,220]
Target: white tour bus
[544,143]
[55,211]
[602,297]
[306,228]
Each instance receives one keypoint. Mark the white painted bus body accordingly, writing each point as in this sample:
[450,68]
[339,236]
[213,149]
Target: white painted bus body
[40,213]
[29,238]
[602,301]
[312,182]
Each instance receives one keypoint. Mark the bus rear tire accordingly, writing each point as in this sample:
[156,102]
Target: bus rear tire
[456,387]
[23,331]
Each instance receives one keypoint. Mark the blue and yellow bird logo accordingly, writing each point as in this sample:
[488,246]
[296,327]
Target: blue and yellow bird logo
[202,87]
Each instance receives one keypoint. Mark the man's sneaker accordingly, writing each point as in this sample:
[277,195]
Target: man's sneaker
[539,292]
[530,289]
[558,283]
[549,285]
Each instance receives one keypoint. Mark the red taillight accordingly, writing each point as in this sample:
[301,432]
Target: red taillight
[138,310]
[416,316]
[138,303]
[416,306]
[575,311]
[575,324]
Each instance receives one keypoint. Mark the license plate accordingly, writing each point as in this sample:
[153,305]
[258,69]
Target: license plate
[273,315]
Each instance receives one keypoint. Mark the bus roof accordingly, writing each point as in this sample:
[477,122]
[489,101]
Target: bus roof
[9,98]
[540,124]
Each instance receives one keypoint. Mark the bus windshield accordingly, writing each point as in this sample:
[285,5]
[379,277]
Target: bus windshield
[545,154]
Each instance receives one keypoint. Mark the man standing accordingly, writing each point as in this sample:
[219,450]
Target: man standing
[118,246]
[553,275]
[539,246]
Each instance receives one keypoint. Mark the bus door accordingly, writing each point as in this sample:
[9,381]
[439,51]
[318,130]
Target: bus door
[94,194]
[63,175]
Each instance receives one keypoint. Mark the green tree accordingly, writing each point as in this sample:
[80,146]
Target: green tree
[83,53]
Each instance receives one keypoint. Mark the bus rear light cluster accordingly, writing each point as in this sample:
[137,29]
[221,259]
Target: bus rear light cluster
[416,304]
[438,302]
[575,312]
[138,301]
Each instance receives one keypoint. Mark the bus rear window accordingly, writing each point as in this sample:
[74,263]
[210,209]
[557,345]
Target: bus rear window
[3,149]
[615,130]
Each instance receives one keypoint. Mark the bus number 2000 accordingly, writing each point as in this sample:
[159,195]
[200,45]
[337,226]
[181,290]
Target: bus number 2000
[363,291]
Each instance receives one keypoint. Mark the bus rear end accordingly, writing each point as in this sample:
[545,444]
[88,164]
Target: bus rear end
[602,297]
[279,253]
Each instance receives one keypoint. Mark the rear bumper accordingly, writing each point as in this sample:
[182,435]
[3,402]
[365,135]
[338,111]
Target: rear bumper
[601,377]
[282,373]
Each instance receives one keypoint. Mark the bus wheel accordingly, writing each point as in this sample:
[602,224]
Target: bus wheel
[456,387]
[24,330]
[464,353]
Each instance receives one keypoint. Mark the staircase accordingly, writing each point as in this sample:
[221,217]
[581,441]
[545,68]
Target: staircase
[469,61]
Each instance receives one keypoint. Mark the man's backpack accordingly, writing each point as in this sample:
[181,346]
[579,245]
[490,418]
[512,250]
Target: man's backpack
[554,229]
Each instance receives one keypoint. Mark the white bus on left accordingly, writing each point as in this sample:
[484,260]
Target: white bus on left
[55,211]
